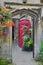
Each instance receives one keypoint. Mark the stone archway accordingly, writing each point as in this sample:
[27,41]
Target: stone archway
[31,13]
[24,11]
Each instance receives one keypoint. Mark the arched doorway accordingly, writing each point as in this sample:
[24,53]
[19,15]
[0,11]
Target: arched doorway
[34,17]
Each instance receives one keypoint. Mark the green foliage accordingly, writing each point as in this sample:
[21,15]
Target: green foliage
[39,58]
[4,15]
[40,63]
[27,41]
[4,62]
[26,38]
[41,49]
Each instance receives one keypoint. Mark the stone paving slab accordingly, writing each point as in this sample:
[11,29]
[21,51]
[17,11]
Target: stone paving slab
[22,58]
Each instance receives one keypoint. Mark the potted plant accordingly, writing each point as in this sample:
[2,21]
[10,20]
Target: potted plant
[27,43]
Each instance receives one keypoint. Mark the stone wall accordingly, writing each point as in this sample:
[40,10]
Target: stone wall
[21,1]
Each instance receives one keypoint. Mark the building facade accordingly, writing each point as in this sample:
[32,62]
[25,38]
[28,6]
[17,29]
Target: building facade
[28,4]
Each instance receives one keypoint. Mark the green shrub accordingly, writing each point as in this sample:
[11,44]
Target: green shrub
[39,58]
[5,62]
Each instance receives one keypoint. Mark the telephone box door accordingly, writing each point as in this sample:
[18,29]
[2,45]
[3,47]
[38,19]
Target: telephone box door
[21,24]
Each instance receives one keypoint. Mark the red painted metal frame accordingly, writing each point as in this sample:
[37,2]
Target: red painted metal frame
[22,22]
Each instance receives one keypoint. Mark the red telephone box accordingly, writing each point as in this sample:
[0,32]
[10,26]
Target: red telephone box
[23,22]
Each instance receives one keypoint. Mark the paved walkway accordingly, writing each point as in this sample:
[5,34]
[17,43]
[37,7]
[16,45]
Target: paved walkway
[22,58]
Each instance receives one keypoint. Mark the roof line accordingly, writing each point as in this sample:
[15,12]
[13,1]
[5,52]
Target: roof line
[12,3]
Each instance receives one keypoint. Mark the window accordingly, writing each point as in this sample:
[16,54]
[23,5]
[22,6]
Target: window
[41,1]
[24,1]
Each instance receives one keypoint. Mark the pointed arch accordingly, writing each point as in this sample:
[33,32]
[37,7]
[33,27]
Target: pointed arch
[25,11]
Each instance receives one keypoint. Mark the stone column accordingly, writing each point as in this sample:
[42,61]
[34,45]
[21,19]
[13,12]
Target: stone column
[38,32]
[10,42]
